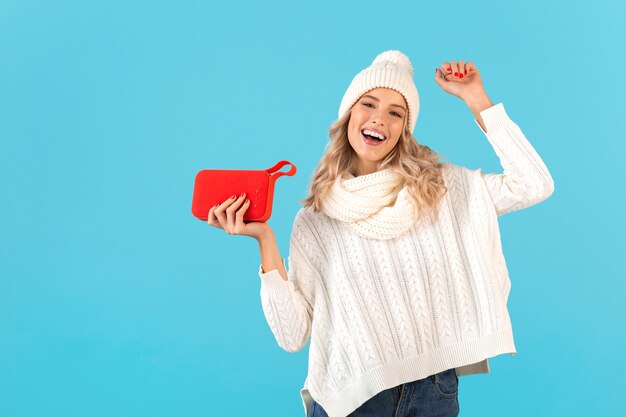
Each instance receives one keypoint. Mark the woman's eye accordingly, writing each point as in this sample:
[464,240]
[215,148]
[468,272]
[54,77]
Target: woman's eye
[395,113]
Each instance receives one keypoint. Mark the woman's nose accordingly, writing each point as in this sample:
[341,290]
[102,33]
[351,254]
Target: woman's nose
[378,119]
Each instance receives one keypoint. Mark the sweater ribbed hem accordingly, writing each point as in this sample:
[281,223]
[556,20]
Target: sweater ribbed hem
[272,281]
[411,369]
[494,118]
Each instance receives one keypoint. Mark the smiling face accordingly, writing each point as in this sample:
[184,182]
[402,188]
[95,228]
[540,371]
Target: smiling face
[379,111]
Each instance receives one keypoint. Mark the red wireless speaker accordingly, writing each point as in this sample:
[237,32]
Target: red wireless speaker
[215,186]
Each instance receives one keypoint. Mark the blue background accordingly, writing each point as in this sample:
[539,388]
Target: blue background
[116,301]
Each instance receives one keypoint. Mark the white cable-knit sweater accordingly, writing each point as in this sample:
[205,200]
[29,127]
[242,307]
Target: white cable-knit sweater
[383,312]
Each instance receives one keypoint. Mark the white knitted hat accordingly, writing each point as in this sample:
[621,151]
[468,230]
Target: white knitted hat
[390,69]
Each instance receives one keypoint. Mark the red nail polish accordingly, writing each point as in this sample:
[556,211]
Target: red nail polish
[449,69]
[456,74]
[465,72]
[461,76]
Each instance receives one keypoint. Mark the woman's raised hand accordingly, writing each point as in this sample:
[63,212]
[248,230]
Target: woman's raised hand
[229,216]
[461,79]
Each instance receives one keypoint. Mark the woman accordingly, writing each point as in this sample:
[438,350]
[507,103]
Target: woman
[396,271]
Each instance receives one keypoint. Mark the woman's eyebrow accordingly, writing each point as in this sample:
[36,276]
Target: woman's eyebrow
[376,99]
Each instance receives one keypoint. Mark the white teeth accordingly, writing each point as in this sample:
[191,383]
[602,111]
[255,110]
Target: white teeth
[372,133]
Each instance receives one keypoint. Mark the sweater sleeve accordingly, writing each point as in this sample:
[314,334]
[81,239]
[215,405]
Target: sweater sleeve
[525,179]
[288,305]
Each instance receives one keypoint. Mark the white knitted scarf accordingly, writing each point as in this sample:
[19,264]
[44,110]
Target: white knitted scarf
[362,202]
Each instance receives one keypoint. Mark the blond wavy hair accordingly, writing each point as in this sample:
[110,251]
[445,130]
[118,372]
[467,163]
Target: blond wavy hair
[418,165]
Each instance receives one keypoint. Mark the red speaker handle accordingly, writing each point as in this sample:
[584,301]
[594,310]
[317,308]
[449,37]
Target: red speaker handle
[275,175]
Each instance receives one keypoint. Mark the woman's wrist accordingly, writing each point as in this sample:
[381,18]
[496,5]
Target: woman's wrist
[478,102]
[266,236]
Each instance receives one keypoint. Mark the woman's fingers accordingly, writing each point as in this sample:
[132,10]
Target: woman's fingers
[230,213]
[220,214]
[212,220]
[239,225]
[446,68]
[462,71]
[470,67]
[455,69]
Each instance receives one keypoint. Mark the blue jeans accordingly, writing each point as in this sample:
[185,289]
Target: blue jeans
[433,396]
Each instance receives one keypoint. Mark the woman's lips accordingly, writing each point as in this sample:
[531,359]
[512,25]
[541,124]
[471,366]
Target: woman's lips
[371,142]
